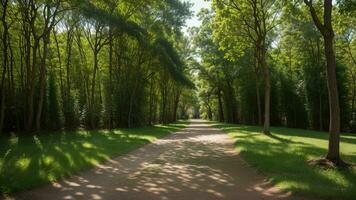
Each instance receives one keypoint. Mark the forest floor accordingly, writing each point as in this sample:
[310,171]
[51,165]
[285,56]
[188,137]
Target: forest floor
[33,160]
[284,156]
[198,162]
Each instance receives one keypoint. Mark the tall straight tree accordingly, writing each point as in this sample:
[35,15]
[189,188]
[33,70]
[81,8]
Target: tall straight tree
[5,47]
[50,12]
[326,29]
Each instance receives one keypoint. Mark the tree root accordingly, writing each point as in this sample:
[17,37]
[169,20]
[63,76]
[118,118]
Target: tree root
[331,164]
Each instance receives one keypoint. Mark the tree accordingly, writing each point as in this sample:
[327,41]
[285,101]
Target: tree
[5,50]
[326,29]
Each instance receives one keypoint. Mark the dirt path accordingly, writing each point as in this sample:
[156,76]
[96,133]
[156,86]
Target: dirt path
[196,163]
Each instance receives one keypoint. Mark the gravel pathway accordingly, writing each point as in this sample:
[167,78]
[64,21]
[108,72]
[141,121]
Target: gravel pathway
[198,162]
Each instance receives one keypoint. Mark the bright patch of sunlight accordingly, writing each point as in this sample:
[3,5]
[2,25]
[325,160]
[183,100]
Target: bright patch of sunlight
[92,161]
[87,145]
[292,184]
[46,175]
[38,142]
[57,148]
[118,132]
[14,140]
[23,163]
[51,177]
[69,158]
[149,138]
[334,176]
[84,133]
[48,160]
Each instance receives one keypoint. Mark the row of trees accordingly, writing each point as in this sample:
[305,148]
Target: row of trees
[92,64]
[278,50]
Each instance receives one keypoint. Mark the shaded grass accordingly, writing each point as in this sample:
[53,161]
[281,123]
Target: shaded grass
[283,158]
[30,161]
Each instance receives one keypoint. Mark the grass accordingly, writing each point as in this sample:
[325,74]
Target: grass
[30,161]
[283,158]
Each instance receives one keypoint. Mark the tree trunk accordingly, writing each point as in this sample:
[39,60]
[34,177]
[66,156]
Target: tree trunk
[12,88]
[353,99]
[164,104]
[150,120]
[131,103]
[110,107]
[175,106]
[4,62]
[210,113]
[266,127]
[32,86]
[334,129]
[321,126]
[258,95]
[92,96]
[221,109]
[258,102]
[42,82]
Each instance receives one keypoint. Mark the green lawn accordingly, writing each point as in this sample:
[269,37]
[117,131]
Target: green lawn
[283,158]
[30,161]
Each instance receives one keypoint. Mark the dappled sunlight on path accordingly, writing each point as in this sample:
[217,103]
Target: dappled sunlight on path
[198,162]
